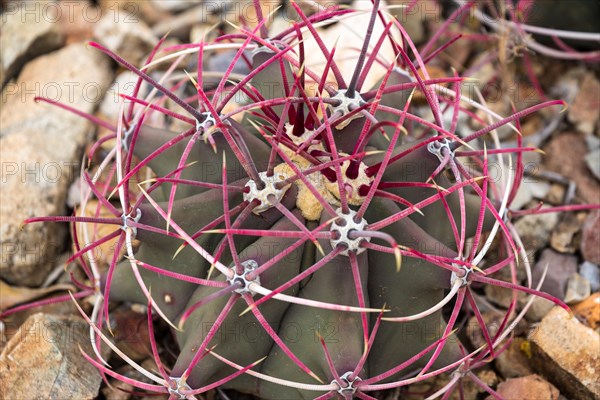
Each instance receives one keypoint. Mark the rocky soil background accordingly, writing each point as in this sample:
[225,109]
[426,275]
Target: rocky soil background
[43,52]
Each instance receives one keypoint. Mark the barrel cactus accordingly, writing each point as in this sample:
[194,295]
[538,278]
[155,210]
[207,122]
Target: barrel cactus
[300,232]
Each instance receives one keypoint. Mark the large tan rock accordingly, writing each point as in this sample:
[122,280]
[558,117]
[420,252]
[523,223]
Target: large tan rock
[528,387]
[513,362]
[565,155]
[40,148]
[43,361]
[567,353]
[125,35]
[585,108]
[28,30]
[590,241]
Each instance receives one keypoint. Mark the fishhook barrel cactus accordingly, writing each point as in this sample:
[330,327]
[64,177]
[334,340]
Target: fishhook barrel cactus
[302,233]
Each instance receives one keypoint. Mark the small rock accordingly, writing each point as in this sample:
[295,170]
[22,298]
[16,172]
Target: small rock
[585,108]
[527,387]
[174,5]
[588,311]
[180,25]
[124,84]
[43,360]
[591,272]
[13,322]
[130,333]
[578,289]
[77,20]
[41,149]
[204,32]
[532,126]
[593,142]
[564,237]
[499,295]
[560,268]
[28,30]
[566,353]
[222,60]
[504,274]
[134,10]
[534,231]
[539,308]
[556,195]
[593,162]
[528,191]
[487,376]
[513,361]
[74,193]
[590,238]
[130,38]
[119,390]
[13,295]
[564,155]
[492,320]
[470,390]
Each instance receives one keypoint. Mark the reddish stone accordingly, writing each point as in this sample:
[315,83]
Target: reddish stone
[590,240]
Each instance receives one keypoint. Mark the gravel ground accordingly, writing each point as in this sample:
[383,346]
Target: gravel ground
[43,53]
